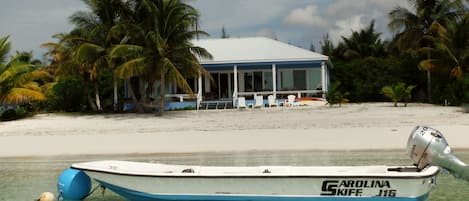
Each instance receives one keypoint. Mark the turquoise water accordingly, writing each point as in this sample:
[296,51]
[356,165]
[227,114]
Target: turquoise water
[27,178]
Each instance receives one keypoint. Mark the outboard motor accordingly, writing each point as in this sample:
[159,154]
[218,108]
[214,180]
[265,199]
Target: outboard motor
[427,146]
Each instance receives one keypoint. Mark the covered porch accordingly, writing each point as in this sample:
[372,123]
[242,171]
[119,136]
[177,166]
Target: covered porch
[249,67]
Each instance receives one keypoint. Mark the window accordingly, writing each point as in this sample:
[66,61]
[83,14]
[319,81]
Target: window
[267,81]
[286,78]
[299,79]
[314,79]
[257,81]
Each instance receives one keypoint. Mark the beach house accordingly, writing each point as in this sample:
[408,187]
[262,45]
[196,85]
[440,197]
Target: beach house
[249,67]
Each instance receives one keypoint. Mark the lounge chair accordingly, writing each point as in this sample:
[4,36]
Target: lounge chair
[259,101]
[291,101]
[272,100]
[241,102]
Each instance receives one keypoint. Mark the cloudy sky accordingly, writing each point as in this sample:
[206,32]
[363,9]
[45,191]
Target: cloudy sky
[300,22]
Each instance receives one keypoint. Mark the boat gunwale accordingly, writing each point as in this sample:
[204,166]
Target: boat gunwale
[264,175]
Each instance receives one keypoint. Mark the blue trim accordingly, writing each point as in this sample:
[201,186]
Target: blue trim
[180,105]
[141,196]
[169,105]
[264,65]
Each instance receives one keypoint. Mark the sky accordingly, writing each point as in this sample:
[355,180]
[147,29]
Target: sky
[30,23]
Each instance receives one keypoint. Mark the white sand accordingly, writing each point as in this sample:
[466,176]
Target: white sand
[371,126]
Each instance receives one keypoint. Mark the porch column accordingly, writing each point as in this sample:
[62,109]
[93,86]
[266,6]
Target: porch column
[199,90]
[323,79]
[274,79]
[235,84]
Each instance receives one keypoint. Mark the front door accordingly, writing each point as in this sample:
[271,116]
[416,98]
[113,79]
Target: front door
[225,89]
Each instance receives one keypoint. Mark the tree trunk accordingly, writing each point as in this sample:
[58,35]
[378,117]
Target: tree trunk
[96,95]
[162,94]
[141,89]
[138,106]
[115,92]
[429,88]
[91,103]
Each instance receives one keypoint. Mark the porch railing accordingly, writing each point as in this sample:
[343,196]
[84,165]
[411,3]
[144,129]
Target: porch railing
[298,93]
[181,97]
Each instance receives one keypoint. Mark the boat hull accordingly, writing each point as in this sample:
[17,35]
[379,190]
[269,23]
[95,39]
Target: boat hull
[150,181]
[262,188]
[142,196]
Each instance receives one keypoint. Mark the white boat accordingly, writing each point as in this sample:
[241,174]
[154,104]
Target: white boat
[140,181]
[149,181]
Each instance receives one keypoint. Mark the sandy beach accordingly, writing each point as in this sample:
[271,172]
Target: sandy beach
[370,126]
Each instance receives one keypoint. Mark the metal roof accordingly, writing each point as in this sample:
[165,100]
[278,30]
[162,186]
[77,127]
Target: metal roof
[254,50]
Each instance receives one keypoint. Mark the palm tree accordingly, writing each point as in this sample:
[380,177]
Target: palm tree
[160,47]
[363,43]
[18,77]
[412,27]
[92,54]
[327,46]
[64,62]
[451,45]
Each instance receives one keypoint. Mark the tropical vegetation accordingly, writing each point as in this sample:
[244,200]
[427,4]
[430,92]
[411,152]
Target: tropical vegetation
[21,78]
[429,51]
[145,45]
[398,93]
[336,97]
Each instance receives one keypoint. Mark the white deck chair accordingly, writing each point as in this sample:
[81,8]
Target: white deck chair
[242,102]
[291,100]
[272,100]
[259,101]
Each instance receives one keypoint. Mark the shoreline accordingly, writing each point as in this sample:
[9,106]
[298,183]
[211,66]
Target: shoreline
[353,127]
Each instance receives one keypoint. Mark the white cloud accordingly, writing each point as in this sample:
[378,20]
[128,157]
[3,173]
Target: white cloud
[350,15]
[345,27]
[347,8]
[306,17]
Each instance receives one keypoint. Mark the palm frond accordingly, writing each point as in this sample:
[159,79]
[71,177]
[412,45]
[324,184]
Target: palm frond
[40,75]
[201,52]
[89,53]
[21,95]
[175,75]
[12,71]
[428,64]
[131,68]
[85,20]
[457,72]
[4,49]
[126,51]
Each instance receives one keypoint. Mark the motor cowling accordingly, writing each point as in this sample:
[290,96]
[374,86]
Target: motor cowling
[73,185]
[427,146]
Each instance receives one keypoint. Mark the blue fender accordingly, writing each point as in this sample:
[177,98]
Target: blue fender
[73,185]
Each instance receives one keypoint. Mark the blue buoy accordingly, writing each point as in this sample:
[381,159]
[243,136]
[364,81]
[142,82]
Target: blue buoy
[73,185]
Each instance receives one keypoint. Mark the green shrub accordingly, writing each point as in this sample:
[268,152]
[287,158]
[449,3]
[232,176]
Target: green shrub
[398,92]
[13,114]
[68,95]
[335,96]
